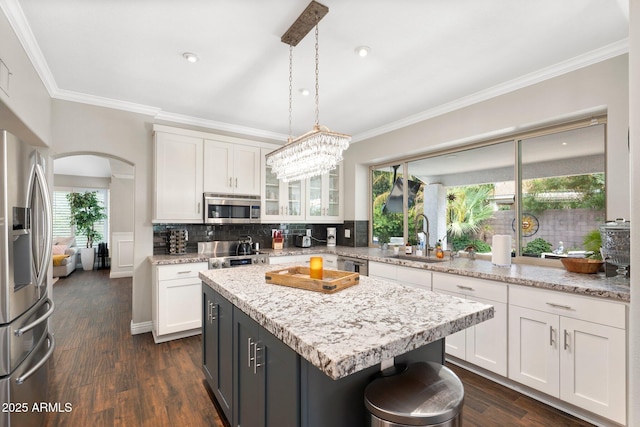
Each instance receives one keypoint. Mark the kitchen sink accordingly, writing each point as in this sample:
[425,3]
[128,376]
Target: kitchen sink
[429,260]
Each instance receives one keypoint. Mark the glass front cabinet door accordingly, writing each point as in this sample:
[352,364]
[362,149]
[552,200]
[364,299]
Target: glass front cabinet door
[324,197]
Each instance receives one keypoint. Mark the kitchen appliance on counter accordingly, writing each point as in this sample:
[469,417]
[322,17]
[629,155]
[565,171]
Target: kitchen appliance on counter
[303,241]
[25,259]
[353,264]
[244,247]
[231,209]
[222,254]
[616,244]
[331,236]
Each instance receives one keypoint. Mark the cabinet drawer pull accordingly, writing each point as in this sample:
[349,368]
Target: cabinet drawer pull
[230,182]
[468,288]
[184,272]
[551,341]
[566,335]
[213,312]
[236,182]
[553,304]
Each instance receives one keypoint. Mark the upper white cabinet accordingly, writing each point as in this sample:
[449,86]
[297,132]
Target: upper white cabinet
[178,178]
[231,168]
[281,201]
[188,163]
[324,197]
[570,347]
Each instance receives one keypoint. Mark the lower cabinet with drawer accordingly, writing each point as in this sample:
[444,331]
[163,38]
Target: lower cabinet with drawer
[176,301]
[570,347]
[416,277]
[485,344]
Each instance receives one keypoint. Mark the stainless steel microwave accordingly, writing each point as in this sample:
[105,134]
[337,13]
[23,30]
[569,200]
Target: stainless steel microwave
[231,209]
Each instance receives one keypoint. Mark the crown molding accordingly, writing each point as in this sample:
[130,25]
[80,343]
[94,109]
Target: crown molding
[22,30]
[99,101]
[612,50]
[19,23]
[221,126]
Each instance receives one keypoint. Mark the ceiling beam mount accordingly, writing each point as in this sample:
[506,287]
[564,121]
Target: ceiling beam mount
[313,13]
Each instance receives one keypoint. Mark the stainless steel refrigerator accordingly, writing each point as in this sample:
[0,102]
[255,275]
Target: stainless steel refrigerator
[25,256]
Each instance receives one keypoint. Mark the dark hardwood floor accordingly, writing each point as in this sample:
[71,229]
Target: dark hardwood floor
[112,378]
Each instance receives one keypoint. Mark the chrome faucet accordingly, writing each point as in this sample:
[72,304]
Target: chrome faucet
[426,232]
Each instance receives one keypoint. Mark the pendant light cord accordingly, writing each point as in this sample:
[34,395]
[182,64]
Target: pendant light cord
[317,77]
[290,90]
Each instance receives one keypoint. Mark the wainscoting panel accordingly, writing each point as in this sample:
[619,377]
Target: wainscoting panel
[121,255]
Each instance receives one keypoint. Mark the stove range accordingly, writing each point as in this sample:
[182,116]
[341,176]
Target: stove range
[224,254]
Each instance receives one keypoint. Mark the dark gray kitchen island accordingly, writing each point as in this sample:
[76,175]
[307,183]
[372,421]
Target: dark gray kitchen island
[280,356]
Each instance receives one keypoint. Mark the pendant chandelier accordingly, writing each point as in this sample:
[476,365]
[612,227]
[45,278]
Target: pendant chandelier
[319,150]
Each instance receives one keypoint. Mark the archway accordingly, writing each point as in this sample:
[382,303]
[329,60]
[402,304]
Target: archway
[93,170]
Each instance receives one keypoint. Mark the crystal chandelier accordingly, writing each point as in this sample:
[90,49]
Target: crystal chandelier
[320,150]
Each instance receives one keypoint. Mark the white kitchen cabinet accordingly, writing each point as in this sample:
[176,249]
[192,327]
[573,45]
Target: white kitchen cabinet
[324,197]
[176,307]
[281,201]
[416,277]
[570,347]
[484,344]
[231,168]
[178,179]
[288,259]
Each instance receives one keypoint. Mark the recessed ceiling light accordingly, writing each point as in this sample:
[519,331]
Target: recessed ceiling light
[564,143]
[304,91]
[191,57]
[363,51]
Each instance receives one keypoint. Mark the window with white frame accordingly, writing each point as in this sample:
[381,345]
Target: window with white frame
[62,214]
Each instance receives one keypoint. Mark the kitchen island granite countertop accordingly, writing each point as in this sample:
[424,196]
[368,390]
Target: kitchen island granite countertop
[351,330]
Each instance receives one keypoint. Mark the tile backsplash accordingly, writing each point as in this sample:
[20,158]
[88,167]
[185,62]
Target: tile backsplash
[261,233]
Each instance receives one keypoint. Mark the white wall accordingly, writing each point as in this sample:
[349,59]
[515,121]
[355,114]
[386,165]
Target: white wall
[602,87]
[122,204]
[80,128]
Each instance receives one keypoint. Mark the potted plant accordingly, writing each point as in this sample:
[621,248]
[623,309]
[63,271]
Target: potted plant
[593,261]
[86,210]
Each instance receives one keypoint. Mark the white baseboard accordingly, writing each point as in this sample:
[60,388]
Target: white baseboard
[119,274]
[141,328]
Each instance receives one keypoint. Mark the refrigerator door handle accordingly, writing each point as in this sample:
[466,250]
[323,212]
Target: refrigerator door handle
[35,323]
[21,379]
[38,176]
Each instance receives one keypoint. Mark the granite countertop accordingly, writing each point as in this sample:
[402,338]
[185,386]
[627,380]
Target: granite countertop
[350,330]
[558,279]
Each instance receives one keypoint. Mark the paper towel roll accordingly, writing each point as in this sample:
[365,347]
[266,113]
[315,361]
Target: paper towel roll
[501,250]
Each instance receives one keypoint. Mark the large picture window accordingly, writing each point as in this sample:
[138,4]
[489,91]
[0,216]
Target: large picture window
[62,214]
[544,189]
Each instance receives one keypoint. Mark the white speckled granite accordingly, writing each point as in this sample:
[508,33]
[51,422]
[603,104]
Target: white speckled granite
[557,279]
[177,259]
[350,330]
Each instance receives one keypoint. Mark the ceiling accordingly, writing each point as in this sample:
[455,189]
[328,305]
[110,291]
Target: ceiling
[426,58]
